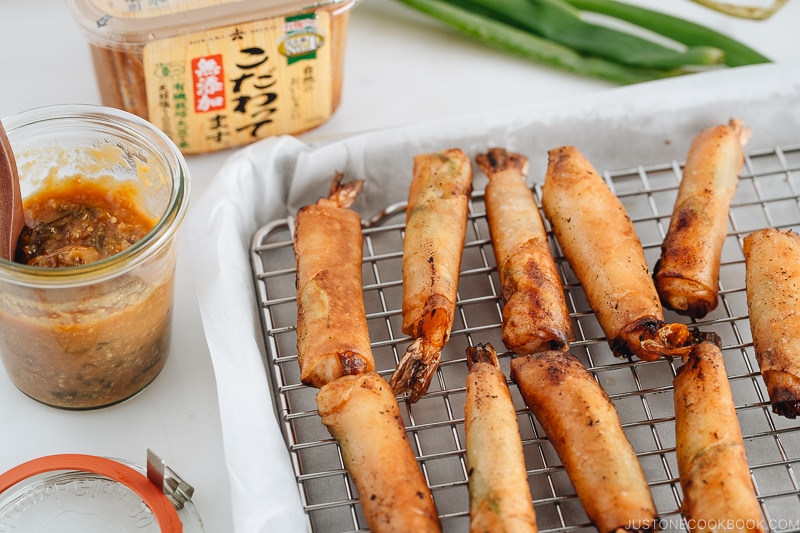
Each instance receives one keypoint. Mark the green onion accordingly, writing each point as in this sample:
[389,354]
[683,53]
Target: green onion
[529,46]
[683,31]
[558,21]
[554,32]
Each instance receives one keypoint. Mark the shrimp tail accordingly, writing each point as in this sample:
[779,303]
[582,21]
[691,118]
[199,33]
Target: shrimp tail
[415,370]
[343,194]
[650,339]
[497,160]
[482,353]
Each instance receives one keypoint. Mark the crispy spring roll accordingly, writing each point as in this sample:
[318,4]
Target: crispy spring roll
[602,248]
[332,335]
[772,275]
[687,273]
[535,313]
[584,428]
[362,414]
[436,225]
[712,465]
[499,495]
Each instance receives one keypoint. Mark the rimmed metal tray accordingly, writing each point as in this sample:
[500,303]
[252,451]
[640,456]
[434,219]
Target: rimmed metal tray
[767,195]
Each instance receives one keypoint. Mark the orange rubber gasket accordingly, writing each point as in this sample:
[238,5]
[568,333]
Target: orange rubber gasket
[165,513]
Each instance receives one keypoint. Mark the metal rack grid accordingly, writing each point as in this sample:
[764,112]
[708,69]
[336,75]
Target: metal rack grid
[767,195]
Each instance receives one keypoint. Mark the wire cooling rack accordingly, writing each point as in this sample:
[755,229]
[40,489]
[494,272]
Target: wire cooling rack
[767,196]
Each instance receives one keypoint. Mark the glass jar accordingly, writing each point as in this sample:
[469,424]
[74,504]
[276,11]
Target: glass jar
[73,493]
[215,74]
[88,336]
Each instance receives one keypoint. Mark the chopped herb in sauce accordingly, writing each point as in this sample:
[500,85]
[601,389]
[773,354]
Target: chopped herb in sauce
[79,222]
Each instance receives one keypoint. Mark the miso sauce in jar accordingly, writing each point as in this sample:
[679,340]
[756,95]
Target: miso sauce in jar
[86,308]
[78,221]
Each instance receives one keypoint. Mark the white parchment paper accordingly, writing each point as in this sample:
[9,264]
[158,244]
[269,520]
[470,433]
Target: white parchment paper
[644,124]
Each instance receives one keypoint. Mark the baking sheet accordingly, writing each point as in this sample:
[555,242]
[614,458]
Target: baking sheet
[641,391]
[629,128]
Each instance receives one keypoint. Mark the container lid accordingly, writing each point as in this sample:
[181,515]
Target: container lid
[72,493]
[133,23]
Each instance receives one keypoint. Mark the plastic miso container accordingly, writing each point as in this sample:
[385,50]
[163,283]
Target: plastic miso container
[215,74]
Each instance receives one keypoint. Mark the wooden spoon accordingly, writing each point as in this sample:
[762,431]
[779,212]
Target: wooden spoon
[12,219]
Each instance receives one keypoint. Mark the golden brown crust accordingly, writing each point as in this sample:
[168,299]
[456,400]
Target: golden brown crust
[577,202]
[362,414]
[332,334]
[687,273]
[600,243]
[436,224]
[436,220]
[772,274]
[535,313]
[584,427]
[783,389]
[713,468]
[500,496]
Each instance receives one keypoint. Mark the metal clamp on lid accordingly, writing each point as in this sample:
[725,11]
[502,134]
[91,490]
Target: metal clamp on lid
[171,484]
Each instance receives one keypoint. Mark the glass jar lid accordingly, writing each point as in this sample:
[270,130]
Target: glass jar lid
[72,493]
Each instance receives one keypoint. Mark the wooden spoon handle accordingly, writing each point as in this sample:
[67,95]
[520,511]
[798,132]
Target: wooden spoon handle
[12,218]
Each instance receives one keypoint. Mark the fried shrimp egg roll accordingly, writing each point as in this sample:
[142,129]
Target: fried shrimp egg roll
[535,313]
[772,276]
[332,335]
[712,465]
[583,425]
[500,498]
[436,225]
[687,274]
[362,414]
[601,245]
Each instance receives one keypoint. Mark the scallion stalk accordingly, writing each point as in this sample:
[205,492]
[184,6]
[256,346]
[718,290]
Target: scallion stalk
[691,34]
[554,32]
[527,45]
[560,22]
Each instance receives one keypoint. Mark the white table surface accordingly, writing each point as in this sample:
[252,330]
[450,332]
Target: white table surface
[400,68]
